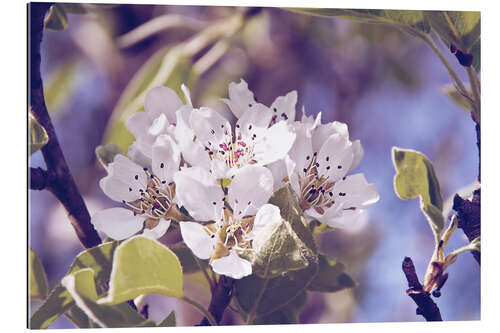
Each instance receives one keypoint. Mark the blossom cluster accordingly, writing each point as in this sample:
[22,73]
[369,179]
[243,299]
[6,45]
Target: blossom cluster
[215,177]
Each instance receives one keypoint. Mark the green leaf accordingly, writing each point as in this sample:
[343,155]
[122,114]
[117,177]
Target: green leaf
[289,314]
[285,246]
[415,177]
[169,321]
[450,91]
[37,135]
[167,67]
[265,296]
[59,86]
[462,29]
[38,285]
[331,276]
[106,153]
[81,286]
[56,19]
[143,266]
[98,258]
[187,259]
[400,18]
[319,228]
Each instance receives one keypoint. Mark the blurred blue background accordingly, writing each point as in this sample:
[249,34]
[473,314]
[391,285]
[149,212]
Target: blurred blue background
[386,85]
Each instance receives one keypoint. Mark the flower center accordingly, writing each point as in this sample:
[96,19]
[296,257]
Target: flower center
[235,151]
[315,189]
[156,199]
[230,233]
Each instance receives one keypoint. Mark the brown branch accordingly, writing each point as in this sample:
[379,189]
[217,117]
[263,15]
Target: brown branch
[60,182]
[38,179]
[221,297]
[425,305]
[469,218]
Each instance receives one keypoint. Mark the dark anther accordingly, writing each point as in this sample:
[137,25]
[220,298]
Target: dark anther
[163,181]
[136,177]
[342,194]
[308,157]
[343,178]
[339,167]
[145,169]
[315,153]
[130,189]
[275,110]
[214,203]
[328,168]
[436,293]
[327,158]
[250,127]
[162,165]
[305,170]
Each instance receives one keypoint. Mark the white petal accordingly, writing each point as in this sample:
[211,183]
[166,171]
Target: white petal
[358,152]
[354,191]
[210,127]
[284,106]
[166,158]
[232,265]
[250,188]
[197,239]
[280,172]
[139,123]
[310,120]
[124,180]
[266,221]
[117,223]
[197,190]
[137,156]
[323,131]
[274,143]
[335,157]
[240,97]
[162,100]
[256,118]
[301,151]
[157,231]
[347,219]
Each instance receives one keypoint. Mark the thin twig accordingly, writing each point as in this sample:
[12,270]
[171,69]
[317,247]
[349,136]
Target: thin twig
[425,305]
[208,316]
[60,182]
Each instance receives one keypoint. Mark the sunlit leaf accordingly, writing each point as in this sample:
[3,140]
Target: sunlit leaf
[59,86]
[37,137]
[450,91]
[415,177]
[400,18]
[286,246]
[169,321]
[461,28]
[56,19]
[98,258]
[81,286]
[143,266]
[331,276]
[38,285]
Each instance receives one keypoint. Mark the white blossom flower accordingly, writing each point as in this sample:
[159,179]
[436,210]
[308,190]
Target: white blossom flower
[147,194]
[258,137]
[317,169]
[223,234]
[159,117]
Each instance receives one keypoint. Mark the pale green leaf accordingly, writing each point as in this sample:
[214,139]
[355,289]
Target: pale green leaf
[254,292]
[415,177]
[143,266]
[169,321]
[289,314]
[106,153]
[167,67]
[59,86]
[462,29]
[98,258]
[56,19]
[38,285]
[81,286]
[476,53]
[400,18]
[288,245]
[37,137]
[79,318]
[450,91]
[331,276]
